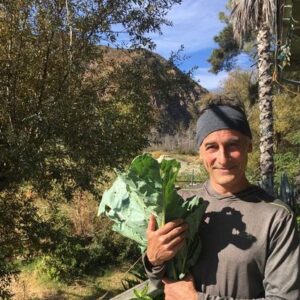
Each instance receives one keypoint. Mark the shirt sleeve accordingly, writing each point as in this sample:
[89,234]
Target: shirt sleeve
[282,270]
[154,273]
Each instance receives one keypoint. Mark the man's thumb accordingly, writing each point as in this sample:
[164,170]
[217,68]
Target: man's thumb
[152,223]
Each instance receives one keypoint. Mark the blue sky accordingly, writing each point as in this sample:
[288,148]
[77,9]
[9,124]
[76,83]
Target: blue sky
[195,23]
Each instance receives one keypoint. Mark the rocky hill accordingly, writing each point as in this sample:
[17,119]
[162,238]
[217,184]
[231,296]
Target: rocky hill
[174,95]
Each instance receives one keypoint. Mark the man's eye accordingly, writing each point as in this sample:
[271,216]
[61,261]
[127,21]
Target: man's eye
[210,147]
[233,145]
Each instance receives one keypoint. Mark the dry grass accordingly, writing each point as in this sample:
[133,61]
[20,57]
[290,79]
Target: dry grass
[31,286]
[158,153]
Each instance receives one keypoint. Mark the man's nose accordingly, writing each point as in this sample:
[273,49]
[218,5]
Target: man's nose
[223,156]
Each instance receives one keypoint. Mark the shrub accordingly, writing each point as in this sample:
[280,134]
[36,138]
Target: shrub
[67,261]
[22,233]
[288,163]
[80,243]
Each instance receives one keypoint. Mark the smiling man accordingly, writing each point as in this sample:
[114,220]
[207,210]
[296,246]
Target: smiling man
[224,156]
[250,239]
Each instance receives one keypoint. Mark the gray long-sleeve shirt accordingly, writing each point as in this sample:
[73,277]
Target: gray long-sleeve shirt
[250,247]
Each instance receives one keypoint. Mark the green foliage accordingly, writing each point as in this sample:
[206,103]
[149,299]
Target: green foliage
[55,123]
[65,254]
[240,85]
[294,137]
[148,187]
[141,294]
[287,130]
[252,171]
[287,192]
[72,252]
[223,58]
[286,125]
[286,162]
[22,234]
[111,248]
[59,130]
[138,271]
[66,262]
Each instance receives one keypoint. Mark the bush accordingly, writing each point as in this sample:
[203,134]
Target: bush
[75,257]
[22,234]
[67,261]
[288,163]
[80,243]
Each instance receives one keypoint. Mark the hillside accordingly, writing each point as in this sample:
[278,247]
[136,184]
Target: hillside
[173,94]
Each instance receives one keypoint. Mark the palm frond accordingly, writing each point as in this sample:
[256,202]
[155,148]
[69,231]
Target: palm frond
[250,15]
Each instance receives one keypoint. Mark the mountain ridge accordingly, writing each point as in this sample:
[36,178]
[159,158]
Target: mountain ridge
[174,96]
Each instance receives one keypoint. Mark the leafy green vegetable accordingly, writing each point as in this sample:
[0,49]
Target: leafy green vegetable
[141,295]
[149,187]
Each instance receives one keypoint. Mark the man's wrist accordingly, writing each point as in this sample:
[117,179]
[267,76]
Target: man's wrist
[152,263]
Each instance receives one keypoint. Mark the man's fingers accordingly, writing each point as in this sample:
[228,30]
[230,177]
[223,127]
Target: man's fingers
[177,231]
[175,241]
[170,225]
[152,223]
[178,246]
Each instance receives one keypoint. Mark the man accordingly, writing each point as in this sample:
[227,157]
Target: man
[250,240]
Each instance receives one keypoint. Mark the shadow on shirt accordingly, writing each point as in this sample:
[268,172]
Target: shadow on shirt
[218,230]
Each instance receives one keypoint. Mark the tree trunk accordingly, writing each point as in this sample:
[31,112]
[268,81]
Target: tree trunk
[266,109]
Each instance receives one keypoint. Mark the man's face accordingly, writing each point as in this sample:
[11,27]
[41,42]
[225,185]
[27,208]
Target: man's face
[224,154]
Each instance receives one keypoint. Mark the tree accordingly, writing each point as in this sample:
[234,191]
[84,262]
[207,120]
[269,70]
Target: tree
[287,135]
[54,123]
[241,85]
[57,125]
[259,16]
[223,57]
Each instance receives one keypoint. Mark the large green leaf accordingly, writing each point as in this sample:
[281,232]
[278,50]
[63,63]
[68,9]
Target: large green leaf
[149,187]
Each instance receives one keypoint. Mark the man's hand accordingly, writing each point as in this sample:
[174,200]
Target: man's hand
[164,243]
[180,290]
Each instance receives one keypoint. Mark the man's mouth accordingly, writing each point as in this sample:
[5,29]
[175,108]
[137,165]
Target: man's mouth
[225,169]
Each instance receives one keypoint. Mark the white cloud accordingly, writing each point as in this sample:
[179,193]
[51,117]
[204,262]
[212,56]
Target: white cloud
[195,23]
[209,80]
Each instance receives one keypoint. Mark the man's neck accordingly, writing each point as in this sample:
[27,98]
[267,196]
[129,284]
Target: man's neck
[229,188]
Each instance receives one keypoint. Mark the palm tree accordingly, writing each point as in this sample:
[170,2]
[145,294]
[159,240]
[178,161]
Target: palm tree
[259,17]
